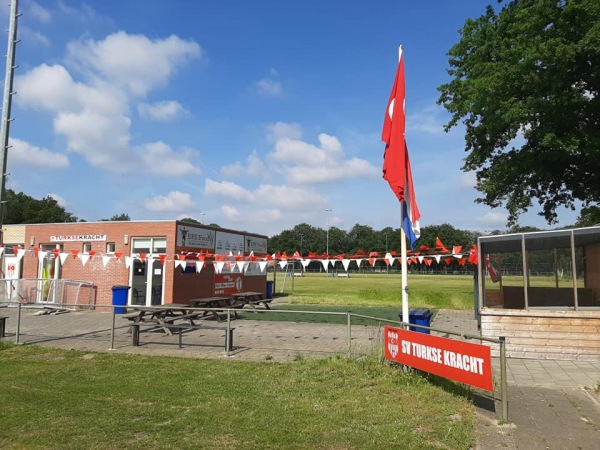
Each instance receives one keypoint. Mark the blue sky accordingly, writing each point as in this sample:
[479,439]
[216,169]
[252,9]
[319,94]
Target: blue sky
[256,116]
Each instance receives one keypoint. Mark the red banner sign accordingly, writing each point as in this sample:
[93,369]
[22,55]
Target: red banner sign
[227,284]
[460,361]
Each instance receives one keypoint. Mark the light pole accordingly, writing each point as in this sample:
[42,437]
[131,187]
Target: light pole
[301,236]
[327,245]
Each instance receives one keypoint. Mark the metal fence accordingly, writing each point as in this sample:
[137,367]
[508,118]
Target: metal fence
[101,329]
[43,291]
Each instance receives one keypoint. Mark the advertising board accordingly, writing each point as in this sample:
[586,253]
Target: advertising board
[460,361]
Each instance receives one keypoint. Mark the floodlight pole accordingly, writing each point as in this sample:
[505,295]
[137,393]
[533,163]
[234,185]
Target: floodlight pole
[6,105]
[327,238]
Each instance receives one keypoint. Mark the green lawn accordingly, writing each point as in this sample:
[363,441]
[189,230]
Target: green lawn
[380,290]
[58,399]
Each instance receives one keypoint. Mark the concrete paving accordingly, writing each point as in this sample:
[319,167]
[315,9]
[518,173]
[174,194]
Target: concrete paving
[551,404]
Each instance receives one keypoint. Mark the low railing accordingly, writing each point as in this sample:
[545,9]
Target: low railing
[97,329]
[44,291]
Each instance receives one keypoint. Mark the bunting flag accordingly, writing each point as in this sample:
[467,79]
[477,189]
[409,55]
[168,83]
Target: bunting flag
[440,246]
[346,264]
[396,162]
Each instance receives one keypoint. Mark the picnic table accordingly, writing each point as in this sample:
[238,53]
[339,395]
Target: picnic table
[163,316]
[215,303]
[252,299]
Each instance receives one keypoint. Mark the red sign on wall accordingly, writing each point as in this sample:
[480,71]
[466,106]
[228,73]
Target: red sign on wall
[228,284]
[460,361]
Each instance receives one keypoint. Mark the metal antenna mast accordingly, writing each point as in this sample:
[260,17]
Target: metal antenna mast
[6,105]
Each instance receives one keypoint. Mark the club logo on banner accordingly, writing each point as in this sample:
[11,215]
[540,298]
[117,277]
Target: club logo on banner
[392,342]
[464,362]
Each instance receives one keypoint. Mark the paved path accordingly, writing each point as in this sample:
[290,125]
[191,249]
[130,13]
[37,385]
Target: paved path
[549,405]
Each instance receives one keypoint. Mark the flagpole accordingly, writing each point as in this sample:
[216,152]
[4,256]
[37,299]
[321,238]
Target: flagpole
[404,265]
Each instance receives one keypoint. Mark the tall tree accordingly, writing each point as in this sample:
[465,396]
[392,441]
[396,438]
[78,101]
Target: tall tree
[21,208]
[447,234]
[525,85]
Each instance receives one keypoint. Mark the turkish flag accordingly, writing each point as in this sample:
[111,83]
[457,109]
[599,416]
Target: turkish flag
[396,163]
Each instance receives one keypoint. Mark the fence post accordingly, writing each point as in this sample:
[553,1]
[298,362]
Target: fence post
[112,331]
[228,333]
[349,321]
[503,382]
[18,324]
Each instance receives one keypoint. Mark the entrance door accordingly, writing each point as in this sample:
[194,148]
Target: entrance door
[147,282]
[49,269]
[147,272]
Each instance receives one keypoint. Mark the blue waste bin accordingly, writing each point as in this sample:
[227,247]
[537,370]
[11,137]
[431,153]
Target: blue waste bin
[119,298]
[418,316]
[269,289]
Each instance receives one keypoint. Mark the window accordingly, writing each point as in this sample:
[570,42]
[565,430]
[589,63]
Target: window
[110,247]
[87,247]
[149,245]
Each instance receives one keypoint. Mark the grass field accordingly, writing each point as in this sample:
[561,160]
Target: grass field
[57,399]
[377,290]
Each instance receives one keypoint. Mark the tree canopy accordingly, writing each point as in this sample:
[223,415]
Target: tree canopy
[123,217]
[525,84]
[21,208]
[305,238]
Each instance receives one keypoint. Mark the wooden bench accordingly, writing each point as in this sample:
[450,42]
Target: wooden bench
[3,326]
[135,335]
[189,317]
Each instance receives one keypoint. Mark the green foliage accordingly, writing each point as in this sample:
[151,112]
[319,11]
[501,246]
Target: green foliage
[588,217]
[132,401]
[189,220]
[21,209]
[525,85]
[305,238]
[117,218]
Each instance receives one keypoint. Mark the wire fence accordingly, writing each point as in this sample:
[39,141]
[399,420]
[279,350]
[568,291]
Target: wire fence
[101,329]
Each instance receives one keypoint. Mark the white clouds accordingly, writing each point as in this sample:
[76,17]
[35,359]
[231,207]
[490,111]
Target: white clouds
[493,219]
[282,130]
[254,167]
[162,160]
[38,12]
[133,62]
[93,115]
[161,111]
[269,86]
[468,180]
[304,163]
[230,213]
[267,195]
[173,202]
[227,189]
[23,154]
[430,120]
